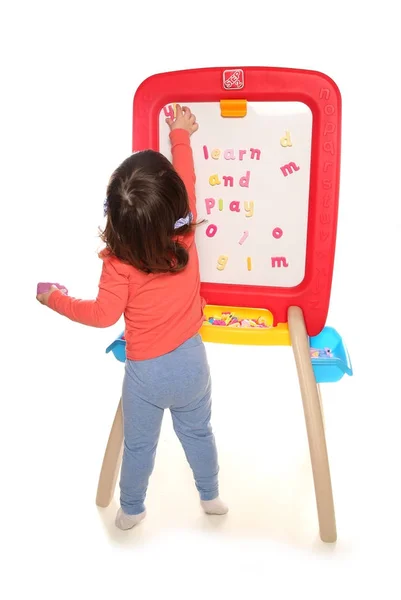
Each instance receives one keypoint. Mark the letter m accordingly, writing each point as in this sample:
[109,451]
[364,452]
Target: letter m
[279,261]
[288,169]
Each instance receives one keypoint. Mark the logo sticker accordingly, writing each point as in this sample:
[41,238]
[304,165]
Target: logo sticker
[233,79]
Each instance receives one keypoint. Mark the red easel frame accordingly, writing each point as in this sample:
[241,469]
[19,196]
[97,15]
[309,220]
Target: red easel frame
[265,84]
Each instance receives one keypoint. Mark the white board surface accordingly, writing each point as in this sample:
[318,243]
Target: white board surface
[267,154]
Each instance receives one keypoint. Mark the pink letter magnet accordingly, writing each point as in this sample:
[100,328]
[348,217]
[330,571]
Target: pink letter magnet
[43,288]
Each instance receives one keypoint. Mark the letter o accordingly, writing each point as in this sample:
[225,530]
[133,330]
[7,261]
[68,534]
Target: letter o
[211,230]
[277,233]
[329,109]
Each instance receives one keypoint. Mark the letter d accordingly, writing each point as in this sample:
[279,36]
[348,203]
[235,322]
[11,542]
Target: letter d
[285,141]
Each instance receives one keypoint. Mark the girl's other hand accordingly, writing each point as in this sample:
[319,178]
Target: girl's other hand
[44,298]
[184,119]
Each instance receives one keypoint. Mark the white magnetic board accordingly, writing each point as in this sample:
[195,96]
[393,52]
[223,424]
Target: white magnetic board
[252,188]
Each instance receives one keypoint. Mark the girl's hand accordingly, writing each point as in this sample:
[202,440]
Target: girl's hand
[44,298]
[184,119]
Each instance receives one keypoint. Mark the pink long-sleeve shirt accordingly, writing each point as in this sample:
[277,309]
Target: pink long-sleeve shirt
[162,310]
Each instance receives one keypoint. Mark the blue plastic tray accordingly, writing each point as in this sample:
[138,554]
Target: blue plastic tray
[327,370]
[118,348]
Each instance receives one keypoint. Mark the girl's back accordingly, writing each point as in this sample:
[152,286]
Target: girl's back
[163,310]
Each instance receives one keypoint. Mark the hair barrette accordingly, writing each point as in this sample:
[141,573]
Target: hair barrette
[183,221]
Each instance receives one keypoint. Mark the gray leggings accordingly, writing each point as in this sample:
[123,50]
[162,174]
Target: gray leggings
[179,381]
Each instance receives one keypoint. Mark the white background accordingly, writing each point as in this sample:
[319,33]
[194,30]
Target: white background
[278,200]
[68,75]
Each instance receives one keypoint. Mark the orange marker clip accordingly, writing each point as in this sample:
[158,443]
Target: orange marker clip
[233,108]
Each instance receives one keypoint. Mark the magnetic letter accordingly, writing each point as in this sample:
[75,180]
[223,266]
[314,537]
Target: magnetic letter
[222,261]
[277,233]
[211,230]
[243,237]
[229,154]
[244,181]
[279,261]
[248,209]
[255,151]
[285,141]
[214,180]
[288,169]
[210,203]
[169,111]
[228,180]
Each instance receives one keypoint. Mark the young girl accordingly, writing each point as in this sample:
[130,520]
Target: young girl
[151,275]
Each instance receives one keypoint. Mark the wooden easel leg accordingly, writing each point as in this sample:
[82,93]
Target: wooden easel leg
[111,461]
[319,391]
[314,425]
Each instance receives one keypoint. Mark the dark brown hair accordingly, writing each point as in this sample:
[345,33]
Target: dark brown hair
[145,198]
